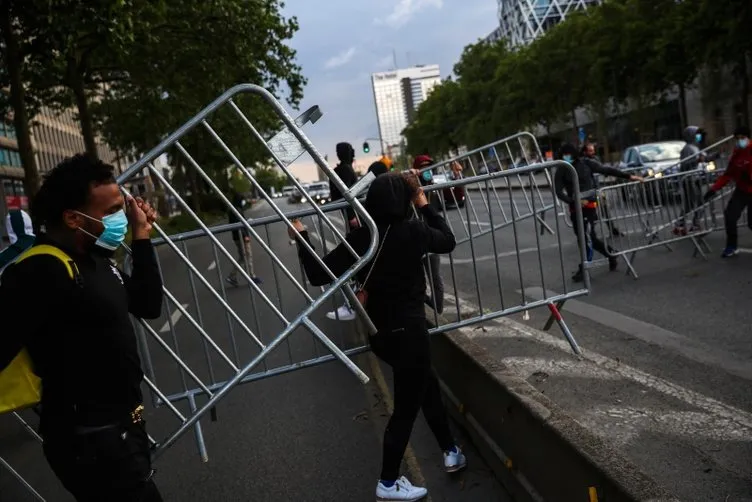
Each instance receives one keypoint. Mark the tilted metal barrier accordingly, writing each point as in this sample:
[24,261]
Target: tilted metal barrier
[218,335]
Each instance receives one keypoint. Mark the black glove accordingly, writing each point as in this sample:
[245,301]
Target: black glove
[708,195]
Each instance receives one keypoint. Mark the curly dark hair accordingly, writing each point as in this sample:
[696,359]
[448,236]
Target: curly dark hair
[68,186]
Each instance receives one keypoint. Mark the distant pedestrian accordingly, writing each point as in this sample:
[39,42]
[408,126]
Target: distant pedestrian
[69,309]
[346,172]
[395,286]
[565,188]
[242,239]
[588,152]
[739,172]
[691,158]
[20,235]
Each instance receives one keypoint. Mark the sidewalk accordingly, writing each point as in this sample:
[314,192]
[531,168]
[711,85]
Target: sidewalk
[691,444]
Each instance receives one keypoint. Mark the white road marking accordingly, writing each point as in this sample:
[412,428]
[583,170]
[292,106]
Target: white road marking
[688,347]
[175,317]
[726,415]
[490,257]
[212,265]
[533,366]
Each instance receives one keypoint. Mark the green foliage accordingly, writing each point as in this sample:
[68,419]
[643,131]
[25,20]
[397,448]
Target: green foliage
[268,178]
[623,51]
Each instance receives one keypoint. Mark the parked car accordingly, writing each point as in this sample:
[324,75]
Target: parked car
[319,192]
[659,160]
[296,197]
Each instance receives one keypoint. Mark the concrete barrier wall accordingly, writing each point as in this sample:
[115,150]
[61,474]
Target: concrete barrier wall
[537,451]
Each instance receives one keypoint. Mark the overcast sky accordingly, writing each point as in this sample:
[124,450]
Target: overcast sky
[341,44]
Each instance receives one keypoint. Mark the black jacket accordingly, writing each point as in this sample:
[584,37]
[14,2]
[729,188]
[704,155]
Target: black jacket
[396,287]
[237,202]
[79,336]
[347,174]
[586,170]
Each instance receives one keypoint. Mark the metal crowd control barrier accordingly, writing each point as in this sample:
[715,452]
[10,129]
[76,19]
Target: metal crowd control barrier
[662,210]
[507,154]
[503,290]
[225,358]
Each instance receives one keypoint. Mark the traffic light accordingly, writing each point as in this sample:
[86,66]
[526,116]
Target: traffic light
[366,147]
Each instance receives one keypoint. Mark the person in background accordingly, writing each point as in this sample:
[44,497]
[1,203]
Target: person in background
[346,172]
[242,239]
[79,335]
[378,168]
[691,158]
[395,285]
[18,223]
[565,188]
[588,152]
[739,171]
[431,262]
[20,235]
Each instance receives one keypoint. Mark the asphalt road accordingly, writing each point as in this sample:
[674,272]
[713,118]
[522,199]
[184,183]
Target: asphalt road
[678,337]
[307,435]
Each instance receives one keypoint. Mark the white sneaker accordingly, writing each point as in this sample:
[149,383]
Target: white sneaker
[344,313]
[454,460]
[402,490]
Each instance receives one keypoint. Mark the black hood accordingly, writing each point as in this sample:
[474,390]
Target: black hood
[388,199]
[378,168]
[345,153]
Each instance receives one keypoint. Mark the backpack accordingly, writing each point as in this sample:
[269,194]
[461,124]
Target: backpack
[20,387]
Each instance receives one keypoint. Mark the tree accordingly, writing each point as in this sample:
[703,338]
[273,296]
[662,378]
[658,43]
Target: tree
[268,178]
[176,70]
[14,52]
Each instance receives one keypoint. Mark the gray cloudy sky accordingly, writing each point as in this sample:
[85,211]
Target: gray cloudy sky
[341,42]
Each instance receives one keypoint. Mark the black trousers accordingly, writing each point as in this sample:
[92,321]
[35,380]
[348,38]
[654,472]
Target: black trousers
[739,201]
[112,465]
[407,351]
[693,191]
[590,217]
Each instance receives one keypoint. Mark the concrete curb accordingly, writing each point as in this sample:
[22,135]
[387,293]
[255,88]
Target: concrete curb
[536,450]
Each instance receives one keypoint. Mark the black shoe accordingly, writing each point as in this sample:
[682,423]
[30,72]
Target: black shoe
[578,276]
[616,232]
[613,263]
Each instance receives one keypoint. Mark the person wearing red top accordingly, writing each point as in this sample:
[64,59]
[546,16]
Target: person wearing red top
[740,172]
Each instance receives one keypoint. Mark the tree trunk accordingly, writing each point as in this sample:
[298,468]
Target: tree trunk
[76,83]
[744,70]
[682,106]
[13,61]
[574,126]
[603,131]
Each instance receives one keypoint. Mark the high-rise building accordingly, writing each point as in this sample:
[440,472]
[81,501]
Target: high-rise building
[397,95]
[522,21]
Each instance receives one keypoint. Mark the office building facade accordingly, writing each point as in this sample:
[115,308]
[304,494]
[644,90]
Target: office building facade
[54,136]
[522,21]
[397,95]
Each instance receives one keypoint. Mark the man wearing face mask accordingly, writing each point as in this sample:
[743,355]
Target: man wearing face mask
[740,172]
[564,184]
[588,152]
[78,333]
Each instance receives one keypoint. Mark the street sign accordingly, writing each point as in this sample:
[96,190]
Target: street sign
[582,134]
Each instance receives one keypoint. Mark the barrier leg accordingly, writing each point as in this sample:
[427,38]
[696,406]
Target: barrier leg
[551,318]
[628,262]
[198,431]
[556,314]
[21,480]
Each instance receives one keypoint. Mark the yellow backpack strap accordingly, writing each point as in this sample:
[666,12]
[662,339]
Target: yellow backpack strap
[46,249]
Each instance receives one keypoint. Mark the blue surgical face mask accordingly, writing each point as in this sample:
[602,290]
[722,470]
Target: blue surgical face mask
[115,228]
[698,137]
[742,142]
[567,158]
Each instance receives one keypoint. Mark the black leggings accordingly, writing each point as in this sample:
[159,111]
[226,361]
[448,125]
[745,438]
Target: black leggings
[407,351]
[739,202]
[590,217]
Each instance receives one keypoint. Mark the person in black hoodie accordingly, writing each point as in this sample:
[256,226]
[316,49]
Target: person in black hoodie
[346,156]
[395,284]
[242,239]
[564,183]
